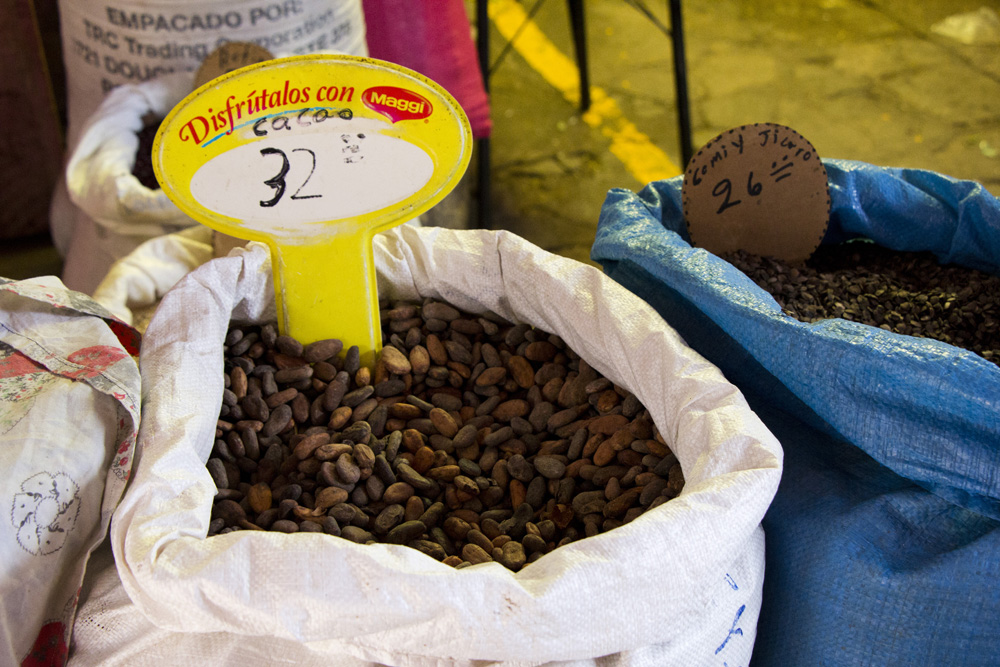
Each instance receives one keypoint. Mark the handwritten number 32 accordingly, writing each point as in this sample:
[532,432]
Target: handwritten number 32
[277,182]
[724,189]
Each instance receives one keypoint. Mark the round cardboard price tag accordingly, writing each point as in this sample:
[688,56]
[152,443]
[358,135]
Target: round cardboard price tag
[229,57]
[761,188]
[314,155]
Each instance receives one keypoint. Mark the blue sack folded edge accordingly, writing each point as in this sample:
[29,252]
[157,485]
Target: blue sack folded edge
[927,410]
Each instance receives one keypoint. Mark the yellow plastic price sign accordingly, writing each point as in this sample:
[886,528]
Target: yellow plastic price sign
[314,155]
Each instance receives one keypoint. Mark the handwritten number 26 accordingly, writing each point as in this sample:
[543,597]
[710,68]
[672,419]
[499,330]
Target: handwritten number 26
[277,182]
[724,189]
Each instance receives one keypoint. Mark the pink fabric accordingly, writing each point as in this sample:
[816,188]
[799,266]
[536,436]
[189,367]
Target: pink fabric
[432,37]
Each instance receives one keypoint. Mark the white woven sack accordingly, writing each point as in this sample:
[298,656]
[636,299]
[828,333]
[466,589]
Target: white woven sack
[111,632]
[135,283]
[685,577]
[134,41]
[99,172]
[69,413]
[114,212]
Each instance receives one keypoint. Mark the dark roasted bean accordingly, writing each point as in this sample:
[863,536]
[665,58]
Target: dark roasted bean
[908,293]
[463,419]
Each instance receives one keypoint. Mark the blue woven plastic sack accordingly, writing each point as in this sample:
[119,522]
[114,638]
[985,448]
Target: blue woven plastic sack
[883,541]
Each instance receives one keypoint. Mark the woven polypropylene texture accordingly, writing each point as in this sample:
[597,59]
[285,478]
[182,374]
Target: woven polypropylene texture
[883,541]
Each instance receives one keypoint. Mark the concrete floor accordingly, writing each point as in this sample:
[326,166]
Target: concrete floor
[861,79]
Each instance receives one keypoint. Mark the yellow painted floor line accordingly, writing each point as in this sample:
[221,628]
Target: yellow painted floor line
[641,157]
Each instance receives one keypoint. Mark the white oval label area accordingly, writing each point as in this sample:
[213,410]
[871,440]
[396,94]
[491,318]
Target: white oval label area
[285,183]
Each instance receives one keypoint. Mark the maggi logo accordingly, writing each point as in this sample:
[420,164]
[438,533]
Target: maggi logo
[397,103]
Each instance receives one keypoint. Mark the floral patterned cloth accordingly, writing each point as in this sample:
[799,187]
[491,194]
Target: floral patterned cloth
[69,414]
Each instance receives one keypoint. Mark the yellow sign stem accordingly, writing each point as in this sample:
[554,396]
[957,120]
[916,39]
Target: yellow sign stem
[328,290]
